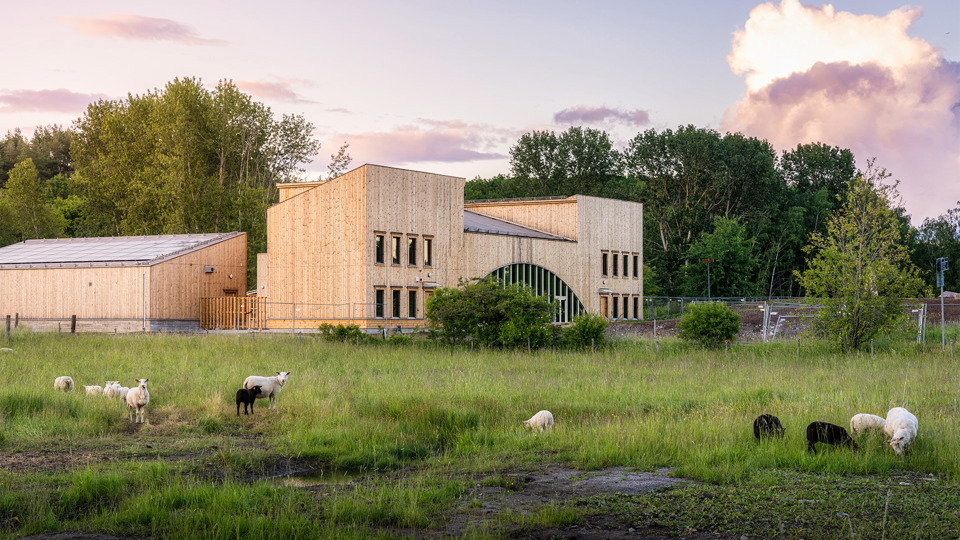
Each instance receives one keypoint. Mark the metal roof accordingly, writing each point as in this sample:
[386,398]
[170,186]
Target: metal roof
[479,223]
[105,251]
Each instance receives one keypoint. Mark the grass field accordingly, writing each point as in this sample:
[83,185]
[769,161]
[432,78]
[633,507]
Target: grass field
[417,439]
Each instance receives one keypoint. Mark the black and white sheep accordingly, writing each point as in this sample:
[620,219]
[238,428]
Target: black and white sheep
[767,425]
[247,396]
[269,386]
[827,433]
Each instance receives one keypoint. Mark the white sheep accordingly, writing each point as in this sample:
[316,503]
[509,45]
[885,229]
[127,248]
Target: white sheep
[64,384]
[137,400]
[122,393]
[5,350]
[93,390]
[542,420]
[111,389]
[269,386]
[860,423]
[901,426]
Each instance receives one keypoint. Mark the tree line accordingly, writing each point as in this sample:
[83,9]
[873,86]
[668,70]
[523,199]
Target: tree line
[186,159]
[707,195]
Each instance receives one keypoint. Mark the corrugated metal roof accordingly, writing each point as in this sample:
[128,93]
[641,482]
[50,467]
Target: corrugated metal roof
[105,251]
[479,223]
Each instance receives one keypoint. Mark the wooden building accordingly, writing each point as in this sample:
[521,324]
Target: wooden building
[127,283]
[368,248]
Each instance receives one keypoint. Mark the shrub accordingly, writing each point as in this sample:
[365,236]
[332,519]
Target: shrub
[490,314]
[338,332]
[586,329]
[709,324]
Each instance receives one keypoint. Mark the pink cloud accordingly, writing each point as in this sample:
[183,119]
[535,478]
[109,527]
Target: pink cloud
[432,141]
[870,88]
[582,114]
[278,90]
[138,28]
[59,100]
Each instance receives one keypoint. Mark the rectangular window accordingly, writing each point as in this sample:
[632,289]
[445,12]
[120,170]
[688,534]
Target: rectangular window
[379,249]
[396,303]
[412,303]
[636,266]
[636,308]
[411,251]
[616,267]
[428,251]
[396,250]
[379,303]
[603,264]
[616,305]
[626,259]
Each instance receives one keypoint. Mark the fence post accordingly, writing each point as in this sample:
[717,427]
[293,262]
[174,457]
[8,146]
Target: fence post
[654,328]
[951,347]
[593,349]
[528,344]
[8,328]
[658,347]
[798,348]
[73,324]
[16,320]
[871,348]
[728,347]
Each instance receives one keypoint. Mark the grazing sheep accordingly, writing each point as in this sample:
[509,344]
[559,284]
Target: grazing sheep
[542,420]
[269,386]
[824,432]
[767,425]
[860,423]
[93,390]
[901,426]
[137,399]
[247,397]
[7,351]
[111,389]
[64,384]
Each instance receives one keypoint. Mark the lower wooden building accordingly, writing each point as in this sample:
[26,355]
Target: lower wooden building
[128,283]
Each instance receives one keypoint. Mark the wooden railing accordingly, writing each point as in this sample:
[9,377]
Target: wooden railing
[233,313]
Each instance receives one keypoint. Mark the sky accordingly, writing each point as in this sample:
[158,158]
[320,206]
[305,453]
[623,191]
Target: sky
[448,87]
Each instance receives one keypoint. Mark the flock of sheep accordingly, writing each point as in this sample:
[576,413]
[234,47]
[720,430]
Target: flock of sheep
[137,398]
[900,426]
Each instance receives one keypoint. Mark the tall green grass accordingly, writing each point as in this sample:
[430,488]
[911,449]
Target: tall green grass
[441,412]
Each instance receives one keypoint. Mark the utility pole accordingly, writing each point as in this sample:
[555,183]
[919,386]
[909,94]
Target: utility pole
[942,266]
[708,261]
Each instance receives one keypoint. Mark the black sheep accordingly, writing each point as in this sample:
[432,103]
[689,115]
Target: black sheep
[824,432]
[767,425]
[247,396]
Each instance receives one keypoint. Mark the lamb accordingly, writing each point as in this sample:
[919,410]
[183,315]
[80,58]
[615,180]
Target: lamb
[860,423]
[767,425]
[93,390]
[111,389]
[64,384]
[824,432]
[542,420]
[247,397]
[137,399]
[901,426]
[269,386]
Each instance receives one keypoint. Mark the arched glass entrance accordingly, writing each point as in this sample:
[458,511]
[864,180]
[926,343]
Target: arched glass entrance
[544,283]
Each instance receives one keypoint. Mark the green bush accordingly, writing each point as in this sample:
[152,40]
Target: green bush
[709,324]
[339,332]
[587,329]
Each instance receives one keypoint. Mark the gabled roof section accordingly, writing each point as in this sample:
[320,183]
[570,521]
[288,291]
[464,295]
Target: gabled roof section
[479,223]
[105,251]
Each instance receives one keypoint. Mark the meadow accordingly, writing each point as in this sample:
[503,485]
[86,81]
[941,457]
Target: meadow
[414,439]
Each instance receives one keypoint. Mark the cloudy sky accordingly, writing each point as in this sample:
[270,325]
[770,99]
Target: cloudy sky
[447,86]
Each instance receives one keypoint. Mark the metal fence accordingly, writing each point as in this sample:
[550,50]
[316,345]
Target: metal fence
[252,313]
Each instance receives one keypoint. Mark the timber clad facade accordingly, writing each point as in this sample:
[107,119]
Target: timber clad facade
[369,247]
[131,283]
